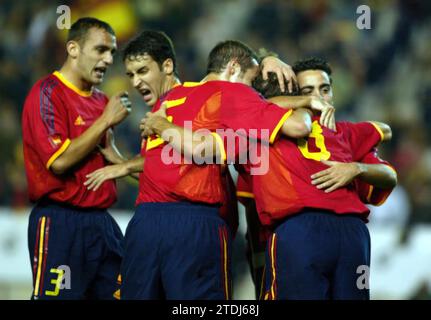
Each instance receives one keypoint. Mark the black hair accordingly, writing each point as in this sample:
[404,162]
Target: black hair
[312,64]
[271,88]
[156,44]
[79,29]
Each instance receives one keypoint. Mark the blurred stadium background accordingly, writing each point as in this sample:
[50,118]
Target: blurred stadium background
[381,74]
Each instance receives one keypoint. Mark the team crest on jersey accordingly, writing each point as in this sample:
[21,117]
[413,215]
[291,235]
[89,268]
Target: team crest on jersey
[55,140]
[79,121]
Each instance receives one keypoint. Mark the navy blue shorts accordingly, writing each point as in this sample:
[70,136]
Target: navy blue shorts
[74,253]
[176,251]
[318,256]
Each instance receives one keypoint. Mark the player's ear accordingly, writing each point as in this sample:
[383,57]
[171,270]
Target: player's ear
[168,66]
[72,48]
[235,68]
[232,68]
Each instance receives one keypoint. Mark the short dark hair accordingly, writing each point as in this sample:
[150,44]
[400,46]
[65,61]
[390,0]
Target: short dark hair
[312,63]
[225,51]
[154,43]
[271,88]
[79,29]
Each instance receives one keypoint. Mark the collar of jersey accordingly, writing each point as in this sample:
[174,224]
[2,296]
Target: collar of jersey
[71,86]
[189,84]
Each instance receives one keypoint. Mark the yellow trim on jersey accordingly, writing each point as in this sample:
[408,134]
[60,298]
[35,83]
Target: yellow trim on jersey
[153,143]
[58,153]
[174,103]
[273,268]
[117,294]
[39,264]
[278,127]
[370,192]
[193,84]
[71,86]
[382,136]
[221,146]
[244,194]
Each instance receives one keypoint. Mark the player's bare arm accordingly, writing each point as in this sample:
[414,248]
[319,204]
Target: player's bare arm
[130,167]
[384,129]
[115,111]
[110,150]
[316,104]
[340,174]
[298,124]
[114,156]
[156,123]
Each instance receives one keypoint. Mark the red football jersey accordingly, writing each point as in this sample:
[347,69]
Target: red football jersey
[211,105]
[286,188]
[55,112]
[367,193]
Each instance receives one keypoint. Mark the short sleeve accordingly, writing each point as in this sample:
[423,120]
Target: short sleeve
[363,136]
[50,124]
[245,111]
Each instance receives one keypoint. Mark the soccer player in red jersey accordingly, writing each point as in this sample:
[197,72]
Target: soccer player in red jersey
[75,245]
[257,234]
[286,198]
[319,239]
[149,65]
[223,99]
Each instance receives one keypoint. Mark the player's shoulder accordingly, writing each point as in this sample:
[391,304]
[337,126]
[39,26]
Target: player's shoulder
[182,89]
[44,89]
[349,125]
[235,89]
[344,125]
[230,85]
[48,83]
[188,89]
[99,94]
[42,94]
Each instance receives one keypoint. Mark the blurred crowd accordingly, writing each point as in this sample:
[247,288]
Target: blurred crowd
[379,74]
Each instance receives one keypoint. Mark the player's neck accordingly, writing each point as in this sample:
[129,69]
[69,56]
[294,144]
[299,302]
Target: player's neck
[170,84]
[212,77]
[73,77]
